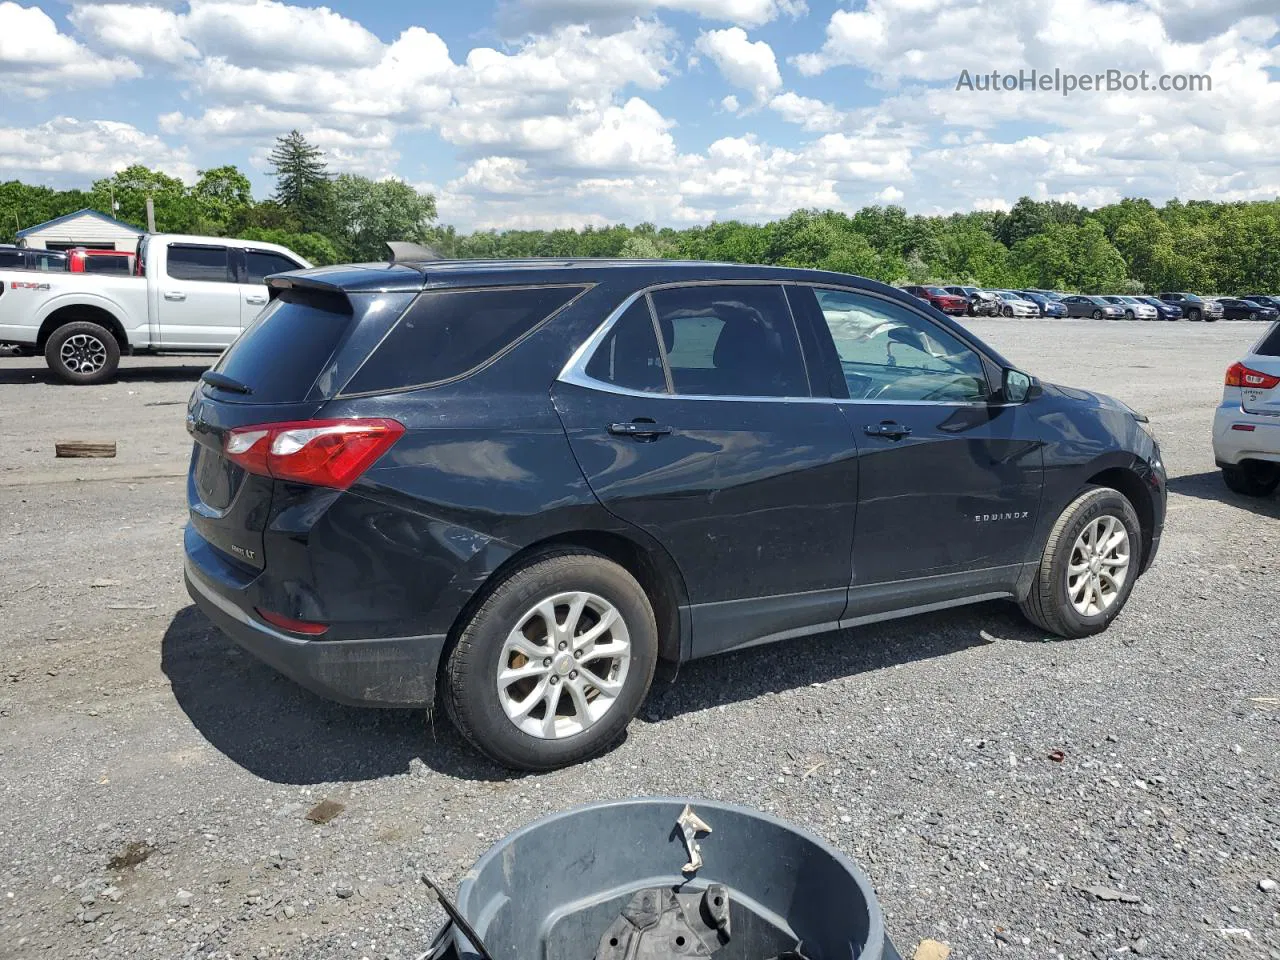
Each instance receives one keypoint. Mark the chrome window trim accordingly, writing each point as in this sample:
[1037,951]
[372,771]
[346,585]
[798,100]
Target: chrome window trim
[574,370]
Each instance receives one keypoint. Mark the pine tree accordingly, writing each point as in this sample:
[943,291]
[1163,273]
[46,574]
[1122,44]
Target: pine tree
[302,180]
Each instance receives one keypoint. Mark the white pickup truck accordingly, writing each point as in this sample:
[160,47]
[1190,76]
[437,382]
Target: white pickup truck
[193,295]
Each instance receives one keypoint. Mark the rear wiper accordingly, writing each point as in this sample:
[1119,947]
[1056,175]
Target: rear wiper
[223,382]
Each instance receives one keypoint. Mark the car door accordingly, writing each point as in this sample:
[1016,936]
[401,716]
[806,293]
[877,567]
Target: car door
[712,443]
[253,269]
[949,477]
[198,303]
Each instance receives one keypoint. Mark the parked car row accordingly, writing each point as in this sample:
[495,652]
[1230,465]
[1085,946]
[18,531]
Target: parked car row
[979,302]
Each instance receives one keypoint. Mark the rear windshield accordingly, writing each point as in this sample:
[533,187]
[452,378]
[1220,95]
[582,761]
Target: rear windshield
[1270,345]
[280,355]
[446,334]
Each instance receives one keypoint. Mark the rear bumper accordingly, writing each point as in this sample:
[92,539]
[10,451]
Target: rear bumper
[382,672]
[1231,446]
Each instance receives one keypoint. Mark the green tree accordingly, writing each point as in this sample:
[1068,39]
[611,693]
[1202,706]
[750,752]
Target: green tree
[316,247]
[367,213]
[303,185]
[223,197]
[175,210]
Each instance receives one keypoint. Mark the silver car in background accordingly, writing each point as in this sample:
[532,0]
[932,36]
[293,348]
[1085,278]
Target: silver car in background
[1134,309]
[1085,305]
[1246,427]
[1014,305]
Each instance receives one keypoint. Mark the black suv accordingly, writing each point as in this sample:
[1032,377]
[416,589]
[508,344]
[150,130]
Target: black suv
[525,483]
[31,258]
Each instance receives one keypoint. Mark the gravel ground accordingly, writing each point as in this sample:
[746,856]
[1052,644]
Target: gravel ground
[155,780]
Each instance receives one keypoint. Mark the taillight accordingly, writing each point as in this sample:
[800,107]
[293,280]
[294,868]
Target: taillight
[1238,375]
[324,453]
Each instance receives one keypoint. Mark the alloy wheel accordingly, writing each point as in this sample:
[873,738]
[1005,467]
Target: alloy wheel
[83,353]
[1099,566]
[564,665]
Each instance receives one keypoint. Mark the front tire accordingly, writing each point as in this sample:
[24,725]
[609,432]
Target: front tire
[1252,479]
[82,353]
[1097,314]
[1253,314]
[1193,315]
[1008,312]
[554,663]
[1128,315]
[1088,567]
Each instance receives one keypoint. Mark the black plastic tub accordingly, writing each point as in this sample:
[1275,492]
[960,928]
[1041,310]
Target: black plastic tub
[550,890]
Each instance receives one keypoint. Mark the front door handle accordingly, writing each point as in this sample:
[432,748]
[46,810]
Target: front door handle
[174,295]
[255,300]
[888,429]
[642,429]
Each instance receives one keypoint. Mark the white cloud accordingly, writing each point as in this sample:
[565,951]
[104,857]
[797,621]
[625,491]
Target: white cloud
[992,203]
[279,33]
[807,112]
[730,104]
[151,33]
[541,14]
[745,64]
[88,149]
[37,59]
[890,194]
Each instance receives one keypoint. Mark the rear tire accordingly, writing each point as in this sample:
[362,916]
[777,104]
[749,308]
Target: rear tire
[1059,600]
[485,653]
[1252,479]
[82,353]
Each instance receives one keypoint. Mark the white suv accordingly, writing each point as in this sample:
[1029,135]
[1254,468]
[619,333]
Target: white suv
[1246,428]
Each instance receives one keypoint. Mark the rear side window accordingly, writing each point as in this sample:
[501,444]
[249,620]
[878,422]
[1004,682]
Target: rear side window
[446,334]
[198,263]
[280,355]
[629,357]
[260,264]
[731,341]
[1270,345]
[11,260]
[100,264]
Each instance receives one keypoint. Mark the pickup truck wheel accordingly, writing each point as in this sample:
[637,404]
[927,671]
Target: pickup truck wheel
[1089,565]
[554,662]
[82,352]
[1193,315]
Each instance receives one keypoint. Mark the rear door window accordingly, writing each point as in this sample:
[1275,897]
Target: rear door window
[260,264]
[280,355]
[449,333]
[11,260]
[629,356]
[190,262]
[731,341]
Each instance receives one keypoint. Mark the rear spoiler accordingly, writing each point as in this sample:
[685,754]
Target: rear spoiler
[403,250]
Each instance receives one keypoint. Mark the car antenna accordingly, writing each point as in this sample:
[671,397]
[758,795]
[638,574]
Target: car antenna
[402,250]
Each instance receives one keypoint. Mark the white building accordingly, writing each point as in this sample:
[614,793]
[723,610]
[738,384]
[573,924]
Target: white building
[84,228]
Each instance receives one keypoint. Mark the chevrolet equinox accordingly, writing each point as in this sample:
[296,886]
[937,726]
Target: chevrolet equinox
[516,486]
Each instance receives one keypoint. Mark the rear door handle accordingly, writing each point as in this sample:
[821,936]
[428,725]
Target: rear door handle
[174,295]
[887,429]
[639,428]
[255,300]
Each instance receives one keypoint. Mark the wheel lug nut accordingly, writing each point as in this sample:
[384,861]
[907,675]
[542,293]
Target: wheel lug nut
[555,680]
[564,644]
[546,662]
[573,674]
[577,654]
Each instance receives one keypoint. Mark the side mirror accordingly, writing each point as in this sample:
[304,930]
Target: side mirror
[1019,387]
